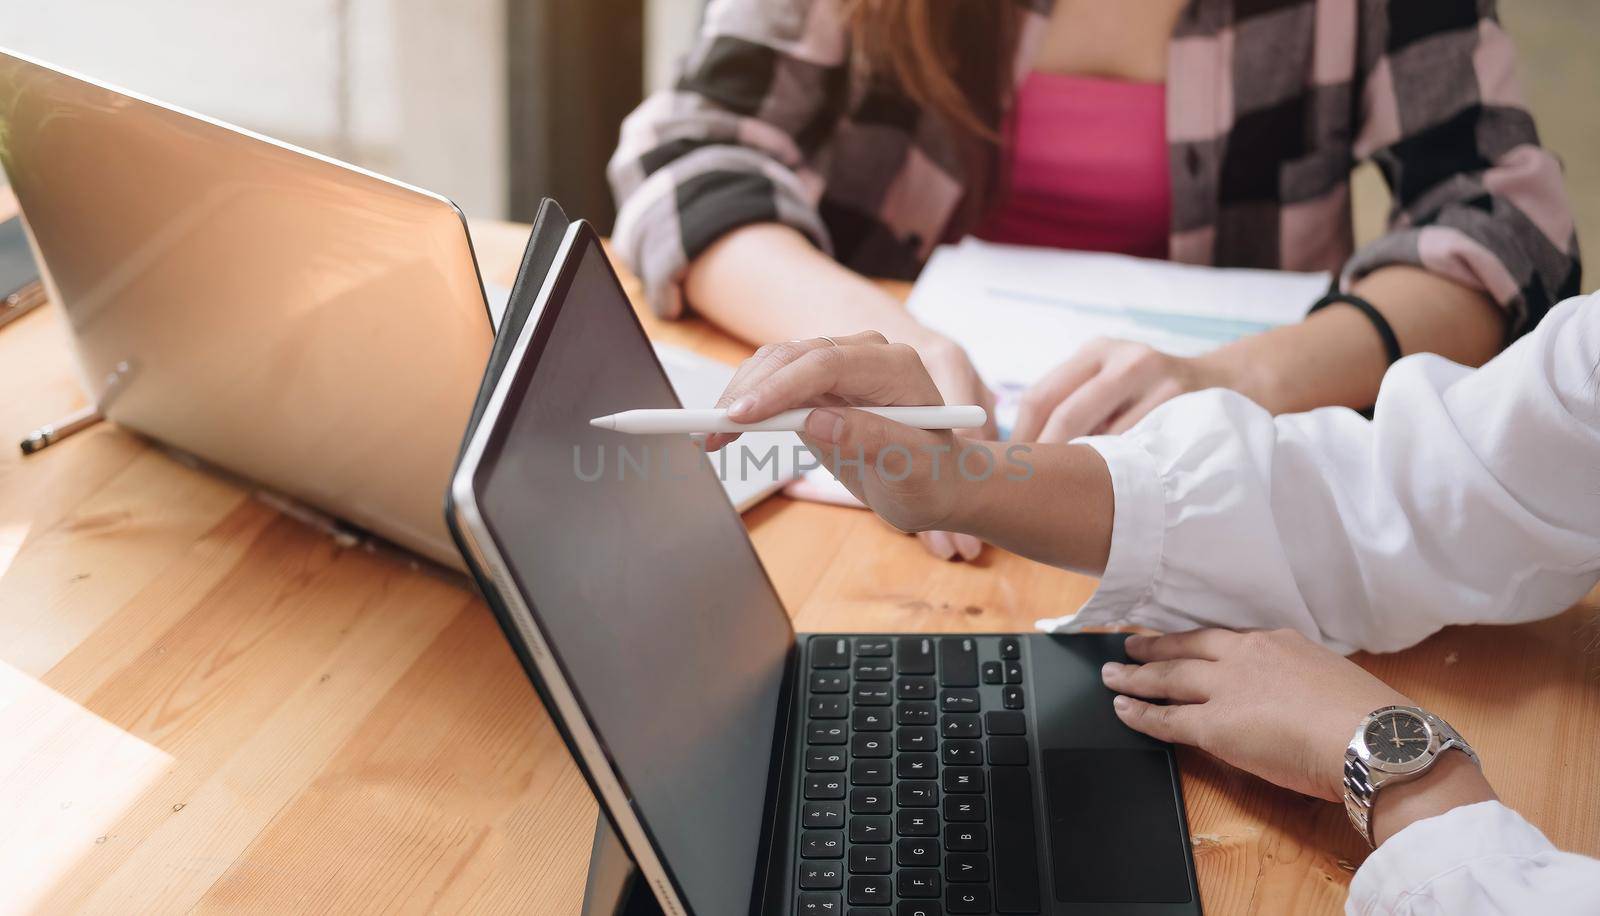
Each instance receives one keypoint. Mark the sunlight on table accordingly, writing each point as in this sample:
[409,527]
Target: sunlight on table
[65,773]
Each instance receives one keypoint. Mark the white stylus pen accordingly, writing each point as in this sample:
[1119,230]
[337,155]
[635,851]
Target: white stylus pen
[716,420]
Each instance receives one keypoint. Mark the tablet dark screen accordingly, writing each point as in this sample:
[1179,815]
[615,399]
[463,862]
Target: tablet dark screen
[644,582]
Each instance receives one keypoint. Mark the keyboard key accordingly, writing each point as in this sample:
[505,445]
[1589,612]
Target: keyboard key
[914,655]
[832,652]
[874,671]
[962,809]
[822,815]
[824,787]
[1001,722]
[830,682]
[917,882]
[966,837]
[871,828]
[960,725]
[993,673]
[821,876]
[826,733]
[869,889]
[874,648]
[1013,672]
[966,898]
[873,695]
[965,809]
[822,844]
[958,661]
[870,744]
[1011,697]
[961,753]
[916,713]
[917,851]
[916,766]
[870,773]
[916,793]
[870,719]
[1016,863]
[1010,648]
[915,738]
[871,800]
[918,908]
[963,780]
[966,868]
[869,911]
[819,903]
[869,860]
[958,700]
[1008,752]
[827,708]
[824,760]
[916,822]
[914,688]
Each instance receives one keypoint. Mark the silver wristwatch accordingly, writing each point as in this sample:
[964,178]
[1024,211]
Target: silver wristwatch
[1393,744]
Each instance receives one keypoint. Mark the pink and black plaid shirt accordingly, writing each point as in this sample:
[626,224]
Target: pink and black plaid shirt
[1270,105]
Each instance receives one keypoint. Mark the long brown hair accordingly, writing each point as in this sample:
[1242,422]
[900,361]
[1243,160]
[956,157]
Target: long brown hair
[955,58]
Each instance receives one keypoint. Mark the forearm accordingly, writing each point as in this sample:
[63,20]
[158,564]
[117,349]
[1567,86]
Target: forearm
[1336,358]
[1050,503]
[766,282]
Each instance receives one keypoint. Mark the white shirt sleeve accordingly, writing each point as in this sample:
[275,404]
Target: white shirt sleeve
[1473,497]
[1476,859]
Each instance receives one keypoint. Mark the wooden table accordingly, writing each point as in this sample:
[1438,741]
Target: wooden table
[207,705]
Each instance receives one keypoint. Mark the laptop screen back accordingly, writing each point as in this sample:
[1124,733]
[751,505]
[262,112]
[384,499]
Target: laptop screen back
[643,581]
[316,329]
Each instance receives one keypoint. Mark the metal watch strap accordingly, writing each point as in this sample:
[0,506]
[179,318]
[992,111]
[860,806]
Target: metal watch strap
[1358,794]
[1361,785]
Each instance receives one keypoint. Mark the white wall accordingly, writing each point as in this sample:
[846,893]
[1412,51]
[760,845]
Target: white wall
[669,29]
[411,88]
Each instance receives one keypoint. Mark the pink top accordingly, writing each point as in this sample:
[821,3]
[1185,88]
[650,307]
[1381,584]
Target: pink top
[1088,168]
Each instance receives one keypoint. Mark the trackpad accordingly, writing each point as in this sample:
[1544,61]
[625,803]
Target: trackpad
[1114,828]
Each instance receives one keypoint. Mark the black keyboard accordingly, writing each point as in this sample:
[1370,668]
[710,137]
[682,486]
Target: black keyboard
[918,792]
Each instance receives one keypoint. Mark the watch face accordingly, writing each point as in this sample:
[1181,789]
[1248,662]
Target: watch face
[1397,737]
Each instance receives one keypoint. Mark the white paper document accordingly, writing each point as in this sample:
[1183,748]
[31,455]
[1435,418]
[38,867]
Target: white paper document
[1022,311]
[498,297]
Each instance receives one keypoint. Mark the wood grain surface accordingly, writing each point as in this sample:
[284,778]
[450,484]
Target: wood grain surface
[206,705]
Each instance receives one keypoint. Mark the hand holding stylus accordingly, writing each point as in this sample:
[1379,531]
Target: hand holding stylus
[907,475]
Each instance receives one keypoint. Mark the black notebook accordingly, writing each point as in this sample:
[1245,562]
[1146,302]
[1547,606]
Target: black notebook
[549,228]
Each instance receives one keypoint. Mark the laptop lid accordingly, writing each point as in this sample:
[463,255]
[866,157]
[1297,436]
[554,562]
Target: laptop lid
[308,325]
[628,586]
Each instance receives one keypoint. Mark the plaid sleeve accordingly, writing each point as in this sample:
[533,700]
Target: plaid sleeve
[731,143]
[1477,199]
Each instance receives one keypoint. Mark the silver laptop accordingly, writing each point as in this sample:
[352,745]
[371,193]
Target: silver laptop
[303,323]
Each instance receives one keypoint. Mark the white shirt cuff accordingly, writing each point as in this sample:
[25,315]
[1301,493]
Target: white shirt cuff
[1138,532]
[1409,863]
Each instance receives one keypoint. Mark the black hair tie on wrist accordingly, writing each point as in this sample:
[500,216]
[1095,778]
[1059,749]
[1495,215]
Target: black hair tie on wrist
[1391,343]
